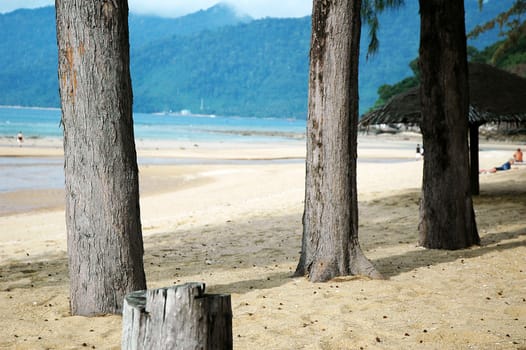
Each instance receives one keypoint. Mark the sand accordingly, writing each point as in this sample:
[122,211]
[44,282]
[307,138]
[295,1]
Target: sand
[230,216]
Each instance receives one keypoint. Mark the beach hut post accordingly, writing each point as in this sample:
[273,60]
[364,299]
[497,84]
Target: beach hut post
[474,157]
[178,317]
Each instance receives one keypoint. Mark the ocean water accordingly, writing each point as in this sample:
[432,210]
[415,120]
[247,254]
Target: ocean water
[37,123]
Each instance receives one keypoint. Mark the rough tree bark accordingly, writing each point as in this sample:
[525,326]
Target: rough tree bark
[447,219]
[330,244]
[105,248]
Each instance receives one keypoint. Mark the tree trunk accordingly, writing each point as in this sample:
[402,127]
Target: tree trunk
[105,248]
[447,218]
[180,317]
[330,245]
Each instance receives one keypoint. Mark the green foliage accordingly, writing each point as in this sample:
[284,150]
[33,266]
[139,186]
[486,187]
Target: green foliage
[513,56]
[386,91]
[371,9]
[509,19]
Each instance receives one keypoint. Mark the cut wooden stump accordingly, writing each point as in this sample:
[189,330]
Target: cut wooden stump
[179,317]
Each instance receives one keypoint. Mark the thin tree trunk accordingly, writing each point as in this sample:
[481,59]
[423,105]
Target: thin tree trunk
[474,158]
[330,245]
[447,217]
[105,248]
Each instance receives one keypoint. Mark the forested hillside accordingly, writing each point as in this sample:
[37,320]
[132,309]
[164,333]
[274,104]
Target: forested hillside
[255,69]
[147,29]
[214,61]
[28,58]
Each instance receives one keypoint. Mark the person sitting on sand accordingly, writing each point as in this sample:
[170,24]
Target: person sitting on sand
[505,166]
[517,156]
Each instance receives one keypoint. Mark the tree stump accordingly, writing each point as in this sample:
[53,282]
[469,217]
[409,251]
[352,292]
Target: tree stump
[179,317]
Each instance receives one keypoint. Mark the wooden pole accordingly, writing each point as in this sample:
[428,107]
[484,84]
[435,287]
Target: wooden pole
[474,158]
[180,317]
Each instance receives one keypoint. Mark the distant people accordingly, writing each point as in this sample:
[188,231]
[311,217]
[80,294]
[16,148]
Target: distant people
[20,138]
[419,152]
[505,166]
[517,156]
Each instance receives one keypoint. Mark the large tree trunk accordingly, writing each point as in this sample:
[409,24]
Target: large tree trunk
[105,247]
[330,245]
[447,218]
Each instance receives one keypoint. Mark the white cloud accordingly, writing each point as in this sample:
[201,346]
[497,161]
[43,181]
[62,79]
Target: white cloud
[273,8]
[174,8]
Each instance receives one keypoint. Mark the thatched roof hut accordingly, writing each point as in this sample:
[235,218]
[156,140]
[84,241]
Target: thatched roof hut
[494,96]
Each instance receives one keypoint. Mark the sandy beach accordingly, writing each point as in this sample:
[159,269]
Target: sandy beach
[229,215]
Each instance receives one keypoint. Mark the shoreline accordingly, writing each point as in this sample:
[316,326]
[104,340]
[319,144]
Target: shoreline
[42,161]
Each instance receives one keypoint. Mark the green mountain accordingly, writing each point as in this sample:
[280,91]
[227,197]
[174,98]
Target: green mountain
[254,69]
[215,61]
[28,49]
[147,29]
[28,58]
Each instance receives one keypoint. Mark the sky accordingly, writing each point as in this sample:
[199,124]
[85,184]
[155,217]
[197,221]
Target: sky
[175,8]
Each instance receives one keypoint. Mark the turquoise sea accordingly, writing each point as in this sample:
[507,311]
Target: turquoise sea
[39,122]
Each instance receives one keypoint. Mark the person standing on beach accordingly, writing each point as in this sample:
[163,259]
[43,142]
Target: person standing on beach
[419,152]
[20,138]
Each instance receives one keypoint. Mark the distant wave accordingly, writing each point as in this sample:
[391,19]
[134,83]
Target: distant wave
[45,122]
[283,134]
[34,108]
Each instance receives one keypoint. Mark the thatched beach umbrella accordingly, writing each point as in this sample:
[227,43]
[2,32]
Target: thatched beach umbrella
[494,96]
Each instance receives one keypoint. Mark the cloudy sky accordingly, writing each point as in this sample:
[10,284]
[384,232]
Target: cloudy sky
[174,8]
